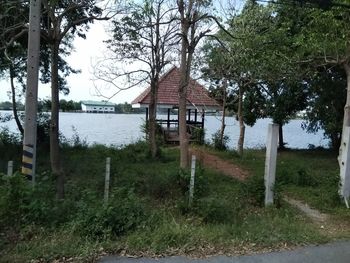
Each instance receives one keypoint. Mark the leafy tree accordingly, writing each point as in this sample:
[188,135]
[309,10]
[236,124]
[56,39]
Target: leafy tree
[324,41]
[143,38]
[13,16]
[262,52]
[62,20]
[13,52]
[326,103]
[193,16]
[217,71]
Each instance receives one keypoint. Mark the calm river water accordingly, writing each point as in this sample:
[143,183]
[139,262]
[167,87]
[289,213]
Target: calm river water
[121,129]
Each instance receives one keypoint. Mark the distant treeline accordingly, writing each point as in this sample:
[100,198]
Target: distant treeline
[69,106]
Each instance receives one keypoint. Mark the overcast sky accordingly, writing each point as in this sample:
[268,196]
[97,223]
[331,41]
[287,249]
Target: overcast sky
[81,85]
[86,52]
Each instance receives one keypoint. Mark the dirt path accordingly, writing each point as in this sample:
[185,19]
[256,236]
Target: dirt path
[327,223]
[313,214]
[214,162]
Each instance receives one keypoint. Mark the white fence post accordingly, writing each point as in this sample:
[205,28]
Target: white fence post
[344,189]
[10,168]
[107,178]
[270,162]
[193,172]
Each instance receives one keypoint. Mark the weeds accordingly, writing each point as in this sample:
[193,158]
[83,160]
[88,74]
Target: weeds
[148,208]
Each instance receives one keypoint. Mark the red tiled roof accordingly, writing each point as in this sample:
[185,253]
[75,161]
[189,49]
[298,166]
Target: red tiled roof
[197,95]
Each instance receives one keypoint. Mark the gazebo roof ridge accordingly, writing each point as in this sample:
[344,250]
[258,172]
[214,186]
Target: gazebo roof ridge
[167,95]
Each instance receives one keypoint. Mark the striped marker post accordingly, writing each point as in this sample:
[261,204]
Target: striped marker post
[31,102]
[28,161]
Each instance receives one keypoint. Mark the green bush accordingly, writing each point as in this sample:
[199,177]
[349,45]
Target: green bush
[23,204]
[159,133]
[198,135]
[9,138]
[14,193]
[254,190]
[124,213]
[160,185]
[75,141]
[299,177]
[219,144]
[201,183]
[218,210]
[305,178]
[137,152]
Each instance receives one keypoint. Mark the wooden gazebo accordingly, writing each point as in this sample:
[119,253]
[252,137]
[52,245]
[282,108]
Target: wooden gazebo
[198,102]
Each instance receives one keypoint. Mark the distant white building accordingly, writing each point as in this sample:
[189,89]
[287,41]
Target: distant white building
[97,106]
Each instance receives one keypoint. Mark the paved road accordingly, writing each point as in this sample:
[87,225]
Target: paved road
[338,252]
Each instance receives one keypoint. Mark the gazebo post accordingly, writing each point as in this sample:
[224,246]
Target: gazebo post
[168,120]
[203,115]
[178,117]
[167,95]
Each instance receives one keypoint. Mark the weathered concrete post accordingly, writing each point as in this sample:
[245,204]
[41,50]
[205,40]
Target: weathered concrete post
[107,179]
[193,172]
[31,102]
[10,168]
[270,162]
[344,189]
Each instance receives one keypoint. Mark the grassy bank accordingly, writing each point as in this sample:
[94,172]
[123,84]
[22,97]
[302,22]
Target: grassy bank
[148,211]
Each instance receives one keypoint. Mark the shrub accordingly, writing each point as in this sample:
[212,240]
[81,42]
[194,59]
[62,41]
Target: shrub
[160,185]
[219,144]
[198,135]
[137,152]
[159,133]
[254,190]
[23,204]
[124,213]
[14,193]
[9,138]
[75,141]
[304,178]
[218,210]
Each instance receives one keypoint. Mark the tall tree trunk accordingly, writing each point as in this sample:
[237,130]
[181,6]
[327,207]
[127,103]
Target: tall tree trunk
[183,137]
[280,136]
[14,104]
[185,68]
[152,124]
[223,125]
[54,125]
[240,143]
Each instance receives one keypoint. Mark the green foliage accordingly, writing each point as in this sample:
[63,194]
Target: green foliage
[159,133]
[198,135]
[254,191]
[14,193]
[148,207]
[216,210]
[254,188]
[75,141]
[69,105]
[218,142]
[160,185]
[7,105]
[326,104]
[124,213]
[8,138]
[22,204]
